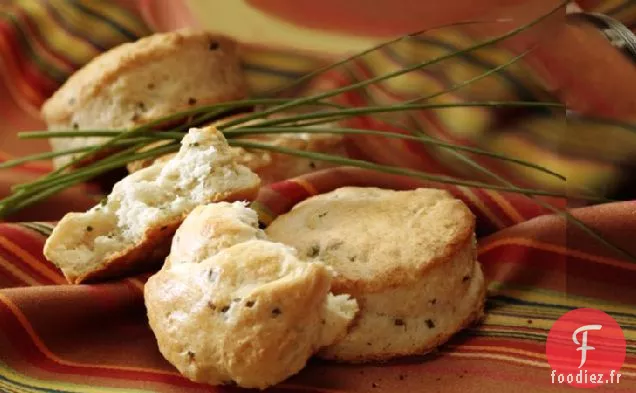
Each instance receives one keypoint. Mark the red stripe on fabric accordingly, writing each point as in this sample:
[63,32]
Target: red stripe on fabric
[528,208]
[36,36]
[29,240]
[17,263]
[494,207]
[603,279]
[26,350]
[503,344]
[32,242]
[290,191]
[9,280]
[31,245]
[25,73]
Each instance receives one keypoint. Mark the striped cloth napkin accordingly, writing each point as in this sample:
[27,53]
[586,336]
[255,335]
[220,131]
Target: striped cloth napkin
[94,338]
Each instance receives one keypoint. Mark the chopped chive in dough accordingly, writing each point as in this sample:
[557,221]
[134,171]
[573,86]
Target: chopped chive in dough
[430,323]
[313,251]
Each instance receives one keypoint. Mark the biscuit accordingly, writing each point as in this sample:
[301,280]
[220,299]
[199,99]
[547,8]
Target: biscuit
[211,228]
[133,226]
[407,257]
[235,308]
[136,83]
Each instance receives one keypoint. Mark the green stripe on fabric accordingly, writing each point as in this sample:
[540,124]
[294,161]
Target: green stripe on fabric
[38,227]
[26,47]
[120,16]
[28,384]
[524,92]
[100,18]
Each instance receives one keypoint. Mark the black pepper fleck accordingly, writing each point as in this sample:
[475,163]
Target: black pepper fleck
[212,306]
[312,165]
[433,301]
[430,323]
[438,379]
[163,228]
[262,225]
[352,259]
[249,303]
[192,101]
[398,322]
[141,106]
[466,278]
[225,308]
[374,385]
[89,228]
[276,312]
[461,376]
[151,86]
[529,321]
[369,344]
[191,356]
[321,215]
[213,45]
[75,126]
[313,251]
[401,377]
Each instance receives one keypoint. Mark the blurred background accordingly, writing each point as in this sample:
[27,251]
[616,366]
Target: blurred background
[570,60]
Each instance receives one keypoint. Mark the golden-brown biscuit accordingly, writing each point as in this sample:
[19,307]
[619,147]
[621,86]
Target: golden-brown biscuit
[133,226]
[407,257]
[233,307]
[135,83]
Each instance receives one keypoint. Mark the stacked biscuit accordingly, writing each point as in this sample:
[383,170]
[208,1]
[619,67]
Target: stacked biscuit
[354,275]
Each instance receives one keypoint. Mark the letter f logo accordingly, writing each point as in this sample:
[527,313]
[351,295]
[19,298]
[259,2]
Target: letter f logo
[583,344]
